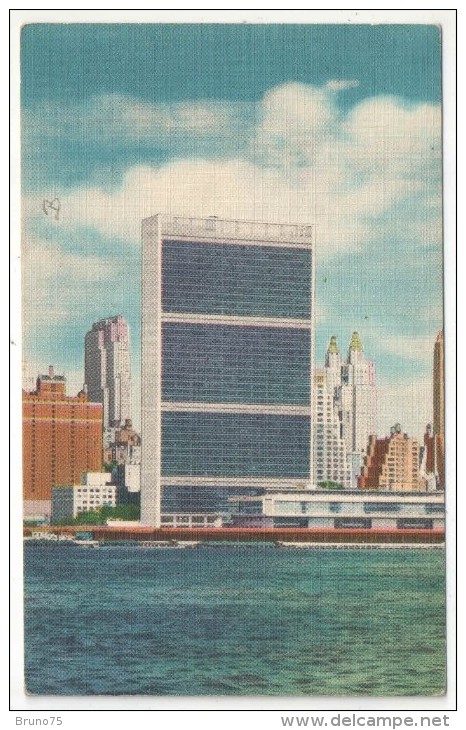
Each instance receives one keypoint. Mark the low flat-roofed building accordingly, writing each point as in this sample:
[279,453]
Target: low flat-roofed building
[69,501]
[342,509]
[37,511]
[96,478]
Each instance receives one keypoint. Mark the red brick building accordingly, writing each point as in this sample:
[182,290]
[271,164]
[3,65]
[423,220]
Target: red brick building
[62,438]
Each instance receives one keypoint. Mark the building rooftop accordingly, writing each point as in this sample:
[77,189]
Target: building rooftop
[51,377]
[214,227]
[345,495]
[107,320]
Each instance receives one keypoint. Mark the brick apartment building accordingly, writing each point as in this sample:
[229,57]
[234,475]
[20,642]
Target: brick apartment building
[62,438]
[392,464]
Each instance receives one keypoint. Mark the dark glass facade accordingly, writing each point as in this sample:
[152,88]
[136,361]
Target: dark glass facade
[227,350]
[352,522]
[256,281]
[235,445]
[230,349]
[235,364]
[202,499]
[432,508]
[413,523]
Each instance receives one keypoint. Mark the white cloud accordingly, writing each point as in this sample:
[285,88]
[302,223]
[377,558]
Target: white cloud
[294,114]
[292,157]
[417,348]
[118,118]
[297,159]
[57,283]
[392,141]
[341,84]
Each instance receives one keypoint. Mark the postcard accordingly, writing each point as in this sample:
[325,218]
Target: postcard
[233,385]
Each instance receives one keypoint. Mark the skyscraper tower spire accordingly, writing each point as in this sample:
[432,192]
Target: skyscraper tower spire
[359,397]
[355,350]
[333,364]
[333,346]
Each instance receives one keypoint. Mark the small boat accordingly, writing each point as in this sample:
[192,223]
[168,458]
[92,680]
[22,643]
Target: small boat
[87,543]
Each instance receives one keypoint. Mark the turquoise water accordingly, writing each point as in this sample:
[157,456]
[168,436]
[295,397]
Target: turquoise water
[234,620]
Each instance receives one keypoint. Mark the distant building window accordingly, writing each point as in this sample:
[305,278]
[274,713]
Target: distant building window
[290,522]
[434,508]
[334,506]
[413,523]
[250,508]
[353,522]
[381,507]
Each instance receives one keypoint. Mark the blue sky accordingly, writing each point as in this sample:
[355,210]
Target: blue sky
[333,125]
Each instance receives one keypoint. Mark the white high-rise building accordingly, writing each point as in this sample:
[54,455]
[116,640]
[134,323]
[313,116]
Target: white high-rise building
[355,396]
[227,362]
[108,369]
[330,458]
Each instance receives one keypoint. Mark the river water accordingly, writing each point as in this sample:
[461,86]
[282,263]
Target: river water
[234,620]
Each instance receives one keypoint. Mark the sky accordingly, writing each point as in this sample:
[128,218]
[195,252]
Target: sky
[334,125]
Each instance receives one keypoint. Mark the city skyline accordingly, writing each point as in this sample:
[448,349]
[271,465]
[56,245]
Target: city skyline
[119,146]
[30,374]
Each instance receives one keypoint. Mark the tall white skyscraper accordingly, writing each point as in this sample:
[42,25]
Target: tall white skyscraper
[355,396]
[330,458]
[227,361]
[108,369]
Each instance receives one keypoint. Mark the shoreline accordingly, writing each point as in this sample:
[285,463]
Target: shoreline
[282,545]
